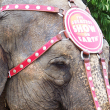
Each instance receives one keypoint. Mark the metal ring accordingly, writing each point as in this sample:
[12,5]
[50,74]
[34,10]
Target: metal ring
[98,56]
[82,55]
[65,39]
[103,56]
[9,74]
[60,14]
[61,31]
[69,4]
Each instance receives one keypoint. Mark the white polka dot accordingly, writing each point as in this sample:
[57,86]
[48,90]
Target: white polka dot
[16,6]
[21,66]
[98,108]
[104,67]
[29,60]
[38,7]
[44,48]
[106,77]
[27,6]
[52,41]
[0,8]
[36,54]
[95,98]
[90,78]
[88,68]
[109,96]
[48,8]
[108,86]
[93,89]
[14,71]
[7,6]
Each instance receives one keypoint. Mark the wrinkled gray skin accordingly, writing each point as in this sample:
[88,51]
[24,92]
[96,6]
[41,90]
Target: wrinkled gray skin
[57,80]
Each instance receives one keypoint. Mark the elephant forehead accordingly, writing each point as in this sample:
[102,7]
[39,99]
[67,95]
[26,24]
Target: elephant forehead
[65,47]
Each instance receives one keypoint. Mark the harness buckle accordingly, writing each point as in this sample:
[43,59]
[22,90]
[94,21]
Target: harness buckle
[61,12]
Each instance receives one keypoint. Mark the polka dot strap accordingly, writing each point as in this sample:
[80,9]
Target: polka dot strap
[30,8]
[34,56]
[105,77]
[90,81]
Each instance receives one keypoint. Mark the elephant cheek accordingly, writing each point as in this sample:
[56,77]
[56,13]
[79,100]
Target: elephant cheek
[65,79]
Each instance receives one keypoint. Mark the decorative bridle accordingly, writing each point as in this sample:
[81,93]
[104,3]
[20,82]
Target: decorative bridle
[57,38]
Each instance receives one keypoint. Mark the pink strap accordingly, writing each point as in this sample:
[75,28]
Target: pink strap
[89,77]
[34,56]
[30,8]
[105,78]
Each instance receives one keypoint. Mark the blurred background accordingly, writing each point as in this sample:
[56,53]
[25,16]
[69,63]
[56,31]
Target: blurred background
[100,10]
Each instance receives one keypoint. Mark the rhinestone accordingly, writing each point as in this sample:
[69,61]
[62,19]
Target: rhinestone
[48,8]
[93,88]
[104,67]
[52,41]
[90,78]
[95,99]
[36,54]
[14,71]
[21,66]
[29,60]
[106,77]
[0,8]
[109,96]
[108,87]
[44,48]
[88,68]
[98,108]
[7,6]
[38,7]
[27,6]
[16,6]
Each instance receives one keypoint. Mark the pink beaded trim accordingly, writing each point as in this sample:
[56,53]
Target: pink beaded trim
[34,56]
[55,39]
[89,77]
[30,8]
[105,78]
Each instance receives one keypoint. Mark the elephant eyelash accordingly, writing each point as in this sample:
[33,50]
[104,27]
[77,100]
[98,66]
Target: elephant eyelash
[59,62]
[60,65]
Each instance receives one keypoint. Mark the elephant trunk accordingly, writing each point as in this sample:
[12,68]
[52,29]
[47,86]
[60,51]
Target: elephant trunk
[78,92]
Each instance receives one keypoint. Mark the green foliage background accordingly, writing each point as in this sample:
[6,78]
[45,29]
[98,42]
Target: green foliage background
[100,10]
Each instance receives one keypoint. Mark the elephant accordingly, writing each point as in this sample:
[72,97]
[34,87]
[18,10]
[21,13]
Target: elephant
[55,81]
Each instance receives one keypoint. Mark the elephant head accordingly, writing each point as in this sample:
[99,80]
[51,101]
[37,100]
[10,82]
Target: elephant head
[55,81]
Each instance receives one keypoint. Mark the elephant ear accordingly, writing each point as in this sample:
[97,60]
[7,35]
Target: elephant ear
[3,69]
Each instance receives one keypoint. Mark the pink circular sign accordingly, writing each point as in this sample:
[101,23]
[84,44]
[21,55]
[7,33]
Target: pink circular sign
[83,30]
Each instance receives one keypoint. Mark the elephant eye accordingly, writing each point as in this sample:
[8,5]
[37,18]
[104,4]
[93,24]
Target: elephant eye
[59,62]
